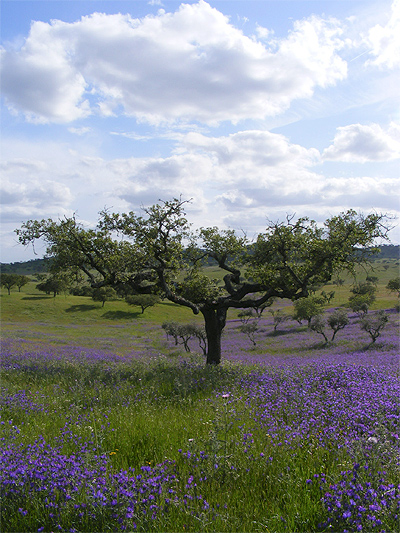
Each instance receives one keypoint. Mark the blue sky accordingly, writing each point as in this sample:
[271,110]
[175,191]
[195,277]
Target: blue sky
[254,109]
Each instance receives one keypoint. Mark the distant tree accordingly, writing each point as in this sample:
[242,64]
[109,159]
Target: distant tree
[22,281]
[336,321]
[149,252]
[307,308]
[394,285]
[250,329]
[9,281]
[374,324]
[363,297]
[55,284]
[172,330]
[143,301]
[183,333]
[279,317]
[372,279]
[317,324]
[82,290]
[359,304]
[246,315]
[103,294]
[364,288]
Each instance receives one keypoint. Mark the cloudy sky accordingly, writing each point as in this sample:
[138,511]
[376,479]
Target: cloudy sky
[255,109]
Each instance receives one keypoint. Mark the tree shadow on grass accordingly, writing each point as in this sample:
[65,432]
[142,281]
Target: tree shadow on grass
[121,315]
[81,308]
[47,297]
[279,333]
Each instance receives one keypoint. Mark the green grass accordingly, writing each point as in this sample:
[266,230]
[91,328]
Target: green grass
[142,412]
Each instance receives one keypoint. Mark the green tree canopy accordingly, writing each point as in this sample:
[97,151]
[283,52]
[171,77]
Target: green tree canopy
[150,253]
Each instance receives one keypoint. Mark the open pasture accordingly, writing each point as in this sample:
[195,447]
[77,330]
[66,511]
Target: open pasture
[108,426]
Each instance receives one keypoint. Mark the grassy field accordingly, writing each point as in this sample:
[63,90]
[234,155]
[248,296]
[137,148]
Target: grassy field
[108,426]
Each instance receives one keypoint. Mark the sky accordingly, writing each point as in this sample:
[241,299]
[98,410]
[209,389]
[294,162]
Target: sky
[254,110]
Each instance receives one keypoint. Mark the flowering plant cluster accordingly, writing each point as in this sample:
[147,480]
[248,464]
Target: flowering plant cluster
[92,441]
[75,492]
[362,501]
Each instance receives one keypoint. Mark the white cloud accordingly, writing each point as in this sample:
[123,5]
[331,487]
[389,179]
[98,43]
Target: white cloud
[385,40]
[364,143]
[238,180]
[192,64]
[33,198]
[79,131]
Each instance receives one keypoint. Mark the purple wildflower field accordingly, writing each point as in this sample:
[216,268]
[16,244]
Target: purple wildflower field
[309,431]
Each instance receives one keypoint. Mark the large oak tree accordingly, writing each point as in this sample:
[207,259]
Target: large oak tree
[157,253]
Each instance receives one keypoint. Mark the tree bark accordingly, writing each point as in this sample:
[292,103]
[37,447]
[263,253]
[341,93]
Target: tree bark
[215,320]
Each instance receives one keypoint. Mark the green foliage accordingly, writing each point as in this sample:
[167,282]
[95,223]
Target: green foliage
[9,281]
[374,324]
[364,294]
[143,301]
[182,333]
[317,324]
[336,321]
[246,315]
[393,285]
[250,329]
[56,283]
[365,288]
[296,256]
[22,281]
[103,294]
[279,317]
[199,288]
[287,261]
[307,308]
[359,303]
[328,296]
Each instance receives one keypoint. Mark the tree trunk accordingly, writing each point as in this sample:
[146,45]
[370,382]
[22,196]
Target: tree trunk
[215,320]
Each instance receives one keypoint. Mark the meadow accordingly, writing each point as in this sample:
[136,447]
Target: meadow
[107,425]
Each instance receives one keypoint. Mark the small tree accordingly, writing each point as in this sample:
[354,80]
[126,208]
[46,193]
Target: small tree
[142,300]
[363,297]
[374,324]
[22,281]
[246,315]
[394,285]
[182,333]
[260,309]
[250,329]
[318,324]
[9,281]
[336,321]
[307,308]
[171,329]
[55,283]
[279,317]
[103,294]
